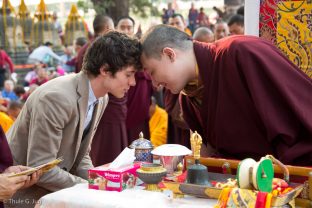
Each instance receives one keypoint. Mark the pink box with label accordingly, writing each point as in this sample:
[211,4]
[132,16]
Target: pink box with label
[103,178]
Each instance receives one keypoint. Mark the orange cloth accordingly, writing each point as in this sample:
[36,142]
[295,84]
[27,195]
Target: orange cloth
[158,125]
[188,31]
[5,121]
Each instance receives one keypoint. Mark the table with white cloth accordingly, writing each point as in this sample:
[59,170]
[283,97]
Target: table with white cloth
[80,196]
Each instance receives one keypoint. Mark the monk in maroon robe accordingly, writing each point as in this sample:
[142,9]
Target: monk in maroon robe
[101,25]
[5,156]
[111,135]
[8,186]
[178,131]
[139,100]
[241,93]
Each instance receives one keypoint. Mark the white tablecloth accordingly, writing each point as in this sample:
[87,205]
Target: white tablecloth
[80,196]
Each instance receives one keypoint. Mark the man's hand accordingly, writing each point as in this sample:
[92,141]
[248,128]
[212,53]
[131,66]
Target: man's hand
[33,179]
[8,186]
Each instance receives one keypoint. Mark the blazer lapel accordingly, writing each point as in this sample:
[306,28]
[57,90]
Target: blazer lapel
[83,92]
[97,114]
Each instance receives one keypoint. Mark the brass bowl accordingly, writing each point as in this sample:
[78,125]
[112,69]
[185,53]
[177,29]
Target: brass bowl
[152,178]
[152,167]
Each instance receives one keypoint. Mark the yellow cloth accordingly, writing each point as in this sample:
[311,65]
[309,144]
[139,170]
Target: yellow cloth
[5,121]
[158,125]
[294,36]
[242,198]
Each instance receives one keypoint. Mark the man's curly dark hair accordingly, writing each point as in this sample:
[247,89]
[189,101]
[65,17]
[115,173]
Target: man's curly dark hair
[114,51]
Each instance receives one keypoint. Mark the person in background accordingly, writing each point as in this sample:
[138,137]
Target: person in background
[31,89]
[42,77]
[7,119]
[241,94]
[164,16]
[236,25]
[125,25]
[19,91]
[79,43]
[202,18]
[241,10]
[158,124]
[66,57]
[8,91]
[203,34]
[32,74]
[170,11]
[57,26]
[101,25]
[177,20]
[4,61]
[192,17]
[221,30]
[43,54]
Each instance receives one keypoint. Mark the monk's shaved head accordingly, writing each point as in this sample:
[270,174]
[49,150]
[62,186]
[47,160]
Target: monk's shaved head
[161,36]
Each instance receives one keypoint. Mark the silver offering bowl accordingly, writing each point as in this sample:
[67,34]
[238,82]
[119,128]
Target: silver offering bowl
[171,163]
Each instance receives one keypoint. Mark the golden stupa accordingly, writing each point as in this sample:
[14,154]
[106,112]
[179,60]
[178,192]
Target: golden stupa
[75,26]
[43,28]
[7,26]
[26,21]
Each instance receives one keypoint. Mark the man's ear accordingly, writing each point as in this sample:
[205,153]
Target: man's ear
[170,53]
[104,70]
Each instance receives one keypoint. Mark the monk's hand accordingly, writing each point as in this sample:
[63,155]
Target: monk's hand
[8,186]
[32,179]
[15,169]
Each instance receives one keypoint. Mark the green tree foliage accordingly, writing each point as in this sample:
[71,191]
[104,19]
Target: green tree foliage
[117,8]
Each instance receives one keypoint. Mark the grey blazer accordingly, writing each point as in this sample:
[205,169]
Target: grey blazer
[51,125]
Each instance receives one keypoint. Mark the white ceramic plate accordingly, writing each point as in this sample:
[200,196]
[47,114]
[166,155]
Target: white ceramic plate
[171,150]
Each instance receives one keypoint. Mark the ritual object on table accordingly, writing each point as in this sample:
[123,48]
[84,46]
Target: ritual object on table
[171,155]
[254,184]
[197,173]
[143,149]
[117,176]
[151,174]
[75,26]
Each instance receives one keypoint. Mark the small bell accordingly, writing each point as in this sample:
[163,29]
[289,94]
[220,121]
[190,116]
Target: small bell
[197,173]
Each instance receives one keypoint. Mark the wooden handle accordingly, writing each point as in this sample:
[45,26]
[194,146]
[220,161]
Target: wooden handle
[217,162]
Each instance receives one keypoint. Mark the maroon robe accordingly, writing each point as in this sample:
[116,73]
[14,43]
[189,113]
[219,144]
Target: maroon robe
[255,101]
[6,159]
[81,55]
[139,100]
[178,132]
[111,135]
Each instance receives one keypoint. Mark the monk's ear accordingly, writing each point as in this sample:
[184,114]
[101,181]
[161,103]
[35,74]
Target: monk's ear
[170,53]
